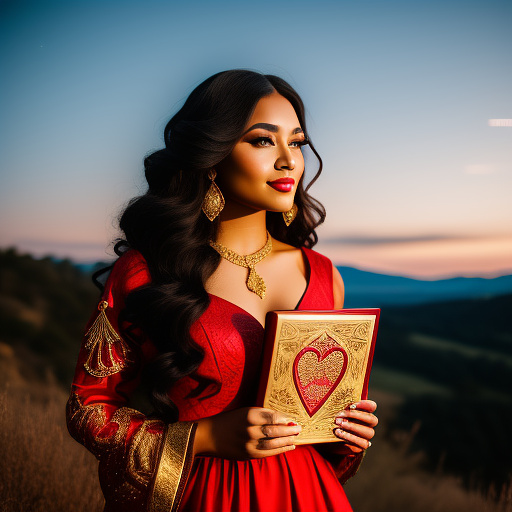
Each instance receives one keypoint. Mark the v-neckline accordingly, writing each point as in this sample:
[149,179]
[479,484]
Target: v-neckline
[308,281]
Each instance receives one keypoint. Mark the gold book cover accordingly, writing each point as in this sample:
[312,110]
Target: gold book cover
[315,363]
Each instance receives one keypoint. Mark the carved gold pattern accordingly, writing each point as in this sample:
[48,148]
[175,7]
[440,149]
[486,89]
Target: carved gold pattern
[101,338]
[353,333]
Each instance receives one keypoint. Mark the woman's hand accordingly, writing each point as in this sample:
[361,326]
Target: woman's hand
[252,432]
[355,425]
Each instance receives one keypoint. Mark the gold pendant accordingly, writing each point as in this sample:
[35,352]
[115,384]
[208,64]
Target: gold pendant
[256,284]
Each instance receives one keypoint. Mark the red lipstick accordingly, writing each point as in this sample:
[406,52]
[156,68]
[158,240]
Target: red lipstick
[282,184]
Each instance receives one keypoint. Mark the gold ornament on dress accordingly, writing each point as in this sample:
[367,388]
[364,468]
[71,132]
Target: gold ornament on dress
[129,458]
[102,336]
[254,281]
[213,201]
[290,215]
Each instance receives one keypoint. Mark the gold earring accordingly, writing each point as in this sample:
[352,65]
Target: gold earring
[290,215]
[213,201]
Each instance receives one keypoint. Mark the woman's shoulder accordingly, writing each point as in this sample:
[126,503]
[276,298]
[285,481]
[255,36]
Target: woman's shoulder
[130,271]
[316,261]
[325,268]
[321,262]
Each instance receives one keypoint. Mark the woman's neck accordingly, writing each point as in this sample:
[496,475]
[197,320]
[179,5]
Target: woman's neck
[243,233]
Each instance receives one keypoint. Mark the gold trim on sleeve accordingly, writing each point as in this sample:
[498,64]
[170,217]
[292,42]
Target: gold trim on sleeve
[101,339]
[128,464]
[175,463]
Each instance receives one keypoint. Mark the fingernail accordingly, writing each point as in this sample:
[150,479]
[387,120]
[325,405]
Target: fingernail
[369,444]
[291,424]
[353,406]
[343,414]
[339,421]
[339,432]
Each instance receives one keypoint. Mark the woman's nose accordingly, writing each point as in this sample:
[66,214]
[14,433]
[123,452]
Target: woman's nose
[285,161]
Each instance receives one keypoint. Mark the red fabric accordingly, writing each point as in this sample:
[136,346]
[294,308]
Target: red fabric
[129,272]
[300,480]
[126,443]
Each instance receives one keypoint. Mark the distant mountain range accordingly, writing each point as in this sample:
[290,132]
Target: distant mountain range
[368,289]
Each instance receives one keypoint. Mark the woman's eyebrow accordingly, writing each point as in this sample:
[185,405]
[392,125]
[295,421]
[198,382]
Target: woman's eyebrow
[270,127]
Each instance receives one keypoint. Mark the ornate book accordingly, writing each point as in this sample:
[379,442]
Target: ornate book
[315,363]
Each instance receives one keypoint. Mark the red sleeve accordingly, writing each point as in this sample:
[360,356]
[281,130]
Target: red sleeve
[345,465]
[132,449]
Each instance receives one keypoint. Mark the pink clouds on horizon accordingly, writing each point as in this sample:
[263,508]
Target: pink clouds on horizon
[435,258]
[419,257]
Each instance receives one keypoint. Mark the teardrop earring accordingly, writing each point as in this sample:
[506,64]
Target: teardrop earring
[290,215]
[213,201]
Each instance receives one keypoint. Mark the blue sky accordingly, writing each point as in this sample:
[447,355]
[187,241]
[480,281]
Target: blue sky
[398,96]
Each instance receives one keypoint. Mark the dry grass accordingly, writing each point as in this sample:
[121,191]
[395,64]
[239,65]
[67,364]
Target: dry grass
[388,481]
[43,469]
[391,479]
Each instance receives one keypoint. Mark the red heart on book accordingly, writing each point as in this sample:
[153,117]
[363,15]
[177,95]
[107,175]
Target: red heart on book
[317,373]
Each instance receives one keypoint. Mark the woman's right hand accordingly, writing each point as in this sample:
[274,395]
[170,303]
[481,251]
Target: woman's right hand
[251,432]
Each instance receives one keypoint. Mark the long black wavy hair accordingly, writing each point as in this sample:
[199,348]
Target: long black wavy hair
[167,226]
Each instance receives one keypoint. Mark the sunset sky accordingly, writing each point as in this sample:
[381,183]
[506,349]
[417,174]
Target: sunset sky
[417,180]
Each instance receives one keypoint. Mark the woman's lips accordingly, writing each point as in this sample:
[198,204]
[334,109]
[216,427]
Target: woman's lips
[282,184]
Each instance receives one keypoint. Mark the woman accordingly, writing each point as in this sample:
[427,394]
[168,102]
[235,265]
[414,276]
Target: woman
[183,311]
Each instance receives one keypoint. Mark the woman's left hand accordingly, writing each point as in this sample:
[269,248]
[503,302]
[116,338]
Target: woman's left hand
[355,425]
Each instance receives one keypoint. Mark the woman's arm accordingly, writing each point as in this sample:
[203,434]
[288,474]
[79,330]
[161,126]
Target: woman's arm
[143,461]
[251,432]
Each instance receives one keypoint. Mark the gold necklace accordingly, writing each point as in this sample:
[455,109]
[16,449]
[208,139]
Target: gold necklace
[254,281]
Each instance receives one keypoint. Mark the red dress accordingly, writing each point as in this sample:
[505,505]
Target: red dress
[300,480]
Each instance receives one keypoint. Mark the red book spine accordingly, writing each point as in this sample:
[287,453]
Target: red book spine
[364,394]
[268,349]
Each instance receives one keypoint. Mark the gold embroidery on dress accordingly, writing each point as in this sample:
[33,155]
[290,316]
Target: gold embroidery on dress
[101,339]
[144,450]
[84,422]
[126,472]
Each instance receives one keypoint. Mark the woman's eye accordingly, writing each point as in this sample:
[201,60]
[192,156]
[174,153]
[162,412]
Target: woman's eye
[262,142]
[298,143]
